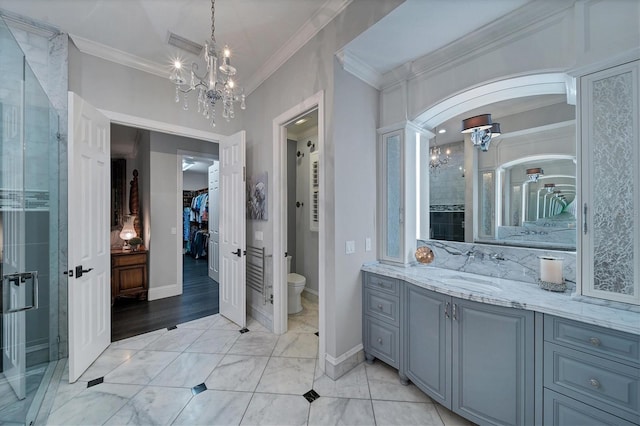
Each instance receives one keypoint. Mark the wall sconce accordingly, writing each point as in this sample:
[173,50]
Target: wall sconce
[299,154]
[534,173]
[128,232]
[482,130]
[312,146]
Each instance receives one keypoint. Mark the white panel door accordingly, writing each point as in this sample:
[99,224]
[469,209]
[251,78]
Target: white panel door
[13,251]
[89,182]
[232,229]
[214,221]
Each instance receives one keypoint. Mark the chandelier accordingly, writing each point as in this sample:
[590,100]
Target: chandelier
[436,160]
[482,130]
[215,87]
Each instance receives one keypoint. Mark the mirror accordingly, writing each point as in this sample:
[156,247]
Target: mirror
[488,197]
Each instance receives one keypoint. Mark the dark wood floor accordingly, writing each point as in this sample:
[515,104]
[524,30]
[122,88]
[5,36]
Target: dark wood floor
[130,317]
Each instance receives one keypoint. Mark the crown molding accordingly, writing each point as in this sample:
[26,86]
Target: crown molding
[506,28]
[107,53]
[29,25]
[317,22]
[356,66]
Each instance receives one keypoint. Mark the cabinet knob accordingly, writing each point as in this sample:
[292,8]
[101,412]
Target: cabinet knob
[594,383]
[380,340]
[594,341]
[380,306]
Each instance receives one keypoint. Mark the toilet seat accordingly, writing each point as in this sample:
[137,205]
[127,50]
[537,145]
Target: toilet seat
[296,279]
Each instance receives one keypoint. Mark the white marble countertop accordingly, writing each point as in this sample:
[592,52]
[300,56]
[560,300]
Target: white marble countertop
[515,294]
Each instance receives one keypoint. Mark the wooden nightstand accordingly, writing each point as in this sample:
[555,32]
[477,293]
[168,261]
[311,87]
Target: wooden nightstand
[129,274]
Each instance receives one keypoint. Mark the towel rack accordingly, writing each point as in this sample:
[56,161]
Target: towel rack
[255,271]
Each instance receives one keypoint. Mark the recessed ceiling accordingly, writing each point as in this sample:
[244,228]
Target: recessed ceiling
[260,33]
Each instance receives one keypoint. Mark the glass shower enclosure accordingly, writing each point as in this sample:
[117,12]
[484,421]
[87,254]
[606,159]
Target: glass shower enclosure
[29,180]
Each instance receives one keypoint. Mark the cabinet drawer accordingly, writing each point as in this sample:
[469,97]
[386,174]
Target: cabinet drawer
[382,306]
[129,259]
[382,341]
[381,283]
[604,384]
[560,410]
[600,341]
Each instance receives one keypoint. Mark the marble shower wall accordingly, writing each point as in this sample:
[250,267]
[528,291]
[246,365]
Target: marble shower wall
[514,263]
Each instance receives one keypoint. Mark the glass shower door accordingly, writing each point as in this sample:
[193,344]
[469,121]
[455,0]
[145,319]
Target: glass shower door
[28,175]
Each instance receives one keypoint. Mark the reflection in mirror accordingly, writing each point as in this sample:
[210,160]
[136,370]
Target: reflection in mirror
[446,191]
[537,203]
[489,188]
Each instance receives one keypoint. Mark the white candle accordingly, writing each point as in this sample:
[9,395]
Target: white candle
[551,269]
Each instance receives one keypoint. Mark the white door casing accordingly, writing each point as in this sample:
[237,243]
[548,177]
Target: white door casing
[13,254]
[232,228]
[214,220]
[89,182]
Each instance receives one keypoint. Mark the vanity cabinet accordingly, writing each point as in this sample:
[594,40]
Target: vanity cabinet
[473,358]
[381,320]
[590,373]
[609,155]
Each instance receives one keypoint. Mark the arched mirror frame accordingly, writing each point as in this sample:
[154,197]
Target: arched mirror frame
[482,95]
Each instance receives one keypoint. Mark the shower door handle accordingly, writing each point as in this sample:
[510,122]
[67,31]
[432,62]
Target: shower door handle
[13,282]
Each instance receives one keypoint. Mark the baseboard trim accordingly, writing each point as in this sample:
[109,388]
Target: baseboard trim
[337,367]
[156,293]
[311,295]
[262,317]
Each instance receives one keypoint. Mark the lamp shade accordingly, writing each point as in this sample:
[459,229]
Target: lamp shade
[478,122]
[128,232]
[495,130]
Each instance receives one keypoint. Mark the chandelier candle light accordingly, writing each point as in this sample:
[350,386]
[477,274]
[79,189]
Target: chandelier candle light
[215,86]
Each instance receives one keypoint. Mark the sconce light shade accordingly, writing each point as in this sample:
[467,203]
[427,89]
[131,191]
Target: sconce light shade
[481,130]
[478,122]
[534,173]
[549,186]
[128,232]
[495,130]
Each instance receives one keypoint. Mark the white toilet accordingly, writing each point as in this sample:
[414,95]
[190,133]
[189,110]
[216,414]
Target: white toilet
[295,285]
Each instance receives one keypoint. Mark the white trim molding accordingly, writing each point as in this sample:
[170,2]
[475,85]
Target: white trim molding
[501,90]
[357,67]
[337,367]
[90,47]
[156,293]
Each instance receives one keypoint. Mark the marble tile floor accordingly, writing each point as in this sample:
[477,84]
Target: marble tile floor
[205,372]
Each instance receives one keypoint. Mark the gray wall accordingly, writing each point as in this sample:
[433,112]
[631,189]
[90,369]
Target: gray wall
[113,87]
[165,215]
[349,203]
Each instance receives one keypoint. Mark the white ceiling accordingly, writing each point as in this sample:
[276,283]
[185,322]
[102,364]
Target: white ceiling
[262,34]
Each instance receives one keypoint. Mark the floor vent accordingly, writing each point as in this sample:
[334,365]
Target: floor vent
[198,388]
[95,382]
[173,327]
[184,44]
[244,330]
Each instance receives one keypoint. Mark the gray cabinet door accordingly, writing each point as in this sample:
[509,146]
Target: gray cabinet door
[493,363]
[427,345]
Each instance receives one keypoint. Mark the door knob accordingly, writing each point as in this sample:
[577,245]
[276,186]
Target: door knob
[237,253]
[80,271]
